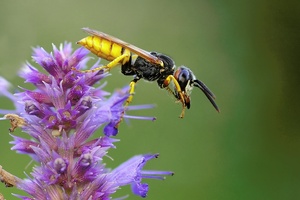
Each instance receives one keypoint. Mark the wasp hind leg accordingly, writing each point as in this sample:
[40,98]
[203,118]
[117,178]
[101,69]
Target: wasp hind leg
[109,66]
[178,89]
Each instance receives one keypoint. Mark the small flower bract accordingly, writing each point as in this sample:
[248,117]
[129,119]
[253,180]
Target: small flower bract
[60,115]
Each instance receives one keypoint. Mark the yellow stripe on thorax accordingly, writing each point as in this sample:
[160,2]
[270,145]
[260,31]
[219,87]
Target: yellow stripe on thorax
[104,48]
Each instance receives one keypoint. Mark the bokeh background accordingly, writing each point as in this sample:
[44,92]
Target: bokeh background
[245,51]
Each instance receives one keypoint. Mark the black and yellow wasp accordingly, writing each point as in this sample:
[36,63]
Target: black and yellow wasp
[146,65]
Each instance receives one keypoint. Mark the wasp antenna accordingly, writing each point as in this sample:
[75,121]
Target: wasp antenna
[207,93]
[204,88]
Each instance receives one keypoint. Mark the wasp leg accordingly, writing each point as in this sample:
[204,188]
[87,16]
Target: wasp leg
[110,65]
[178,89]
[170,91]
[129,99]
[131,90]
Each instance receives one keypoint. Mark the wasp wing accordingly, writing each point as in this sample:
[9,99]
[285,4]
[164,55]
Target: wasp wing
[140,52]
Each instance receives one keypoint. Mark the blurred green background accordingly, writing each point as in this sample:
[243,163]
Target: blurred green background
[245,52]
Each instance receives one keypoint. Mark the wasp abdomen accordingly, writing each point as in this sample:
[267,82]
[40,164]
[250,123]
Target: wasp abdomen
[103,48]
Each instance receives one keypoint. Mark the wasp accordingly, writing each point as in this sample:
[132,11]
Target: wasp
[150,66]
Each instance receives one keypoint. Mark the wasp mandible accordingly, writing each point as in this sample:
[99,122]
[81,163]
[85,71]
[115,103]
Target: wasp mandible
[146,65]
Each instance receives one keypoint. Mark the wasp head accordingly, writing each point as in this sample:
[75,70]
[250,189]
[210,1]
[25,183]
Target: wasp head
[187,80]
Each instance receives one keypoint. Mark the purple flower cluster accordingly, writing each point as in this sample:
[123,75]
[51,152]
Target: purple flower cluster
[61,114]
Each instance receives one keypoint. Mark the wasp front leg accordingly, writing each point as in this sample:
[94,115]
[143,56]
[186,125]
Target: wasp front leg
[178,90]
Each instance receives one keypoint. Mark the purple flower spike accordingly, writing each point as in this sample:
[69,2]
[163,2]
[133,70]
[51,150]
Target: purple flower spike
[60,115]
[131,173]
